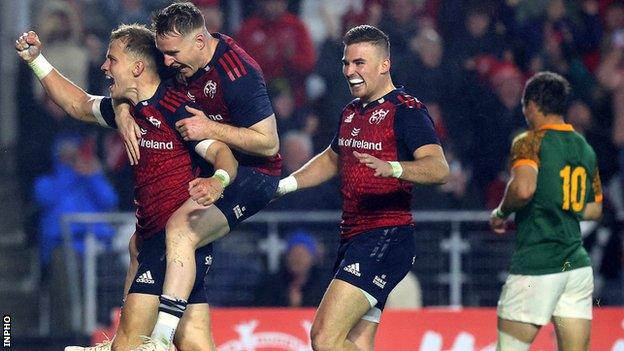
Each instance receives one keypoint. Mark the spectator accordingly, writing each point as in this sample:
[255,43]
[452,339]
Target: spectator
[281,44]
[398,22]
[212,14]
[300,282]
[76,185]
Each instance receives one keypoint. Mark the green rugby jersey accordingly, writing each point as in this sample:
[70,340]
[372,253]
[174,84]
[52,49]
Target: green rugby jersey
[548,236]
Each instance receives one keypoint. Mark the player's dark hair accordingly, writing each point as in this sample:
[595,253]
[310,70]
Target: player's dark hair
[366,33]
[139,41]
[549,91]
[178,18]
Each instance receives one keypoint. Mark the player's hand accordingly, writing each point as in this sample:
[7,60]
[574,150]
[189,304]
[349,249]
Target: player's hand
[197,127]
[129,130]
[382,168]
[205,191]
[28,46]
[496,223]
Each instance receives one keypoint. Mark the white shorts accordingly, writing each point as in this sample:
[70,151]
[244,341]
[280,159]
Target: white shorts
[536,298]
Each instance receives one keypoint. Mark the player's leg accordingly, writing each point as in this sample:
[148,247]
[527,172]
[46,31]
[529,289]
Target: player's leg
[137,318]
[515,336]
[572,333]
[193,226]
[368,267]
[193,333]
[573,314]
[526,303]
[340,310]
[363,335]
[189,228]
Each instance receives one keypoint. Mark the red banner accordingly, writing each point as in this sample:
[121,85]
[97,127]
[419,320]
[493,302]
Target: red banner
[428,329]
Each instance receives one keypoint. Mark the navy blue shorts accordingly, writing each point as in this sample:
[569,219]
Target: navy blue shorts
[152,267]
[377,260]
[250,192]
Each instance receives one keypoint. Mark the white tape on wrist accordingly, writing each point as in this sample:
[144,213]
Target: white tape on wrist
[40,66]
[203,146]
[287,185]
[397,169]
[223,176]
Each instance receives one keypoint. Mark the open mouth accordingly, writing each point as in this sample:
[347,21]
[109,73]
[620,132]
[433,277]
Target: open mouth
[356,82]
[111,81]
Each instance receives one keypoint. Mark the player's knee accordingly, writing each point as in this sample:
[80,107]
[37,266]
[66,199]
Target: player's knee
[322,340]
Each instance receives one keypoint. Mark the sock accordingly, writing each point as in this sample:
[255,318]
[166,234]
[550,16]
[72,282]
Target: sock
[170,311]
[507,342]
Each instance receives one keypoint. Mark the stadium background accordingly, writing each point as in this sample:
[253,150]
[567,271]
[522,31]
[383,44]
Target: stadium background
[467,60]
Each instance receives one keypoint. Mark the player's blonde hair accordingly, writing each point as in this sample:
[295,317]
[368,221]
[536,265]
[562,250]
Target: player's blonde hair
[139,41]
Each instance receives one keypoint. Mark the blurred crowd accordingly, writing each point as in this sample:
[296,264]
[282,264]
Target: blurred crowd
[467,60]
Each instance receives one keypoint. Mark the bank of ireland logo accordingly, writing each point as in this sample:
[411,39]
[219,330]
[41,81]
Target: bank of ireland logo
[355,132]
[249,340]
[377,116]
[190,96]
[210,89]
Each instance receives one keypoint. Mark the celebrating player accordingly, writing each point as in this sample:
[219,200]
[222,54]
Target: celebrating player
[554,184]
[385,142]
[164,176]
[235,109]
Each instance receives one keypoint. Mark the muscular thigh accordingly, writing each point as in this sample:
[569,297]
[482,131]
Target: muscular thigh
[203,224]
[341,308]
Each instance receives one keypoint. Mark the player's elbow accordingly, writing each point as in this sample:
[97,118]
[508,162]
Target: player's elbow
[272,148]
[593,211]
[441,173]
[444,173]
[525,191]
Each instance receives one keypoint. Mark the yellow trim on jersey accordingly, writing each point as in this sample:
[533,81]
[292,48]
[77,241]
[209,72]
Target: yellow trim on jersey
[563,127]
[524,162]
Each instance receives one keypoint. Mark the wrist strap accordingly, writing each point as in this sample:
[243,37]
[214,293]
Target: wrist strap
[397,169]
[500,214]
[40,66]
[222,176]
[287,185]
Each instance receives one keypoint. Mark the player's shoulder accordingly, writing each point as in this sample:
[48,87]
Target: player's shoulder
[173,100]
[405,101]
[232,62]
[528,137]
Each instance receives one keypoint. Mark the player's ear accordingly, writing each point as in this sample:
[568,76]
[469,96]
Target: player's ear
[138,68]
[385,65]
[200,40]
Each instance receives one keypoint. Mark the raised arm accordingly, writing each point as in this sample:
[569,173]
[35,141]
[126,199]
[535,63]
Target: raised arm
[70,97]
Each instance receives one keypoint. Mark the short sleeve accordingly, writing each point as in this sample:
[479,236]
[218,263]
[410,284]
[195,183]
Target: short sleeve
[525,150]
[414,128]
[247,98]
[103,111]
